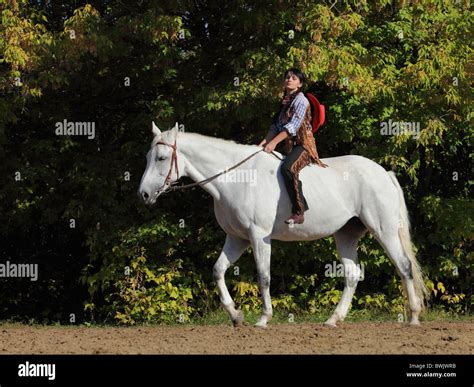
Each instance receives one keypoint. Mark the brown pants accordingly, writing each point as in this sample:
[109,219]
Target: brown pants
[294,162]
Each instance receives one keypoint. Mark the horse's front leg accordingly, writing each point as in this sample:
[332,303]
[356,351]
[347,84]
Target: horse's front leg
[233,249]
[262,253]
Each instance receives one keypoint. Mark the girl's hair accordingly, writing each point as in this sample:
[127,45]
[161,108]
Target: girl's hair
[299,74]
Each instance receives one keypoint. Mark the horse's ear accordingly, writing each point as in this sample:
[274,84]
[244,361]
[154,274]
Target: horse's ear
[176,126]
[156,131]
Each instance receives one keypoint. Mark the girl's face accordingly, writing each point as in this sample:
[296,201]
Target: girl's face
[292,82]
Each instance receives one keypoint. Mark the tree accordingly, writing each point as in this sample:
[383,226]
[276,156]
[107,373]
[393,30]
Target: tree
[381,69]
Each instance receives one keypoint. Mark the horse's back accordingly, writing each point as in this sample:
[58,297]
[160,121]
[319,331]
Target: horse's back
[343,174]
[334,194]
[338,163]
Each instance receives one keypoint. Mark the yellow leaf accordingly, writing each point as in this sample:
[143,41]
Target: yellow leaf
[441,287]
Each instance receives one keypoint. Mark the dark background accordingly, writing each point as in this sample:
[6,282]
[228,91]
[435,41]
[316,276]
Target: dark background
[404,61]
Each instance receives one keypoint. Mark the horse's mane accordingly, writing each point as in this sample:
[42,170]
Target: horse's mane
[215,141]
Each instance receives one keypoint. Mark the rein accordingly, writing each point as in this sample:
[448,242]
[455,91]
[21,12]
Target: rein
[174,160]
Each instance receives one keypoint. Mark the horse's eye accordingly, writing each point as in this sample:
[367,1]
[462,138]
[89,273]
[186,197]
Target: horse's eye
[160,158]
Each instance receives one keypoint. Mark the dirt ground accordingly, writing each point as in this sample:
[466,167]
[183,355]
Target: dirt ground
[347,338]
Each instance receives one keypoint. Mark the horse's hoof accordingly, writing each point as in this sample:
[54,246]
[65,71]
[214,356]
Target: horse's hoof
[238,320]
[262,325]
[330,324]
[415,323]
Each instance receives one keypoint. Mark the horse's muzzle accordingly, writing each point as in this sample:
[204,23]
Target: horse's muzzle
[148,199]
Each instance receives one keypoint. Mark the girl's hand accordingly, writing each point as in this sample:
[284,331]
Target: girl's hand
[269,147]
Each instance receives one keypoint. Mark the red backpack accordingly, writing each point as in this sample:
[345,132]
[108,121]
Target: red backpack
[318,112]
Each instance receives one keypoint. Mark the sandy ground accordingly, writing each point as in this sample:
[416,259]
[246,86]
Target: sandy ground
[347,338]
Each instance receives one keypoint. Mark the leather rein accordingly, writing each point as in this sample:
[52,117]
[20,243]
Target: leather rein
[174,161]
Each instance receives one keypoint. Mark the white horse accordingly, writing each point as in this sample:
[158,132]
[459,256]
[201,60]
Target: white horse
[345,200]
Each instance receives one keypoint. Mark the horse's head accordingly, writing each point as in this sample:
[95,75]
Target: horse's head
[162,169]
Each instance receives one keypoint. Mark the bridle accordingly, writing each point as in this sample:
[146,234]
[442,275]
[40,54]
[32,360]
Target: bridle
[174,160]
[166,187]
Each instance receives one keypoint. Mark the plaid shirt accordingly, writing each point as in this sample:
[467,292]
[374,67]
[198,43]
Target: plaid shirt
[299,104]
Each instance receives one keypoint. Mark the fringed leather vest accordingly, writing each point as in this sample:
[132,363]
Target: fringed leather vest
[304,135]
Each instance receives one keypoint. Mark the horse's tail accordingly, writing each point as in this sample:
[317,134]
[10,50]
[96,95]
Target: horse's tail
[404,233]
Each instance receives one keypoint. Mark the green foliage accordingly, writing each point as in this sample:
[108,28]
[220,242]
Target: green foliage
[153,296]
[217,68]
[247,295]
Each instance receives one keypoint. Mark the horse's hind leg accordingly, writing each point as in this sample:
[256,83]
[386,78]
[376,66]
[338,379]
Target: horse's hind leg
[234,247]
[346,242]
[390,241]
